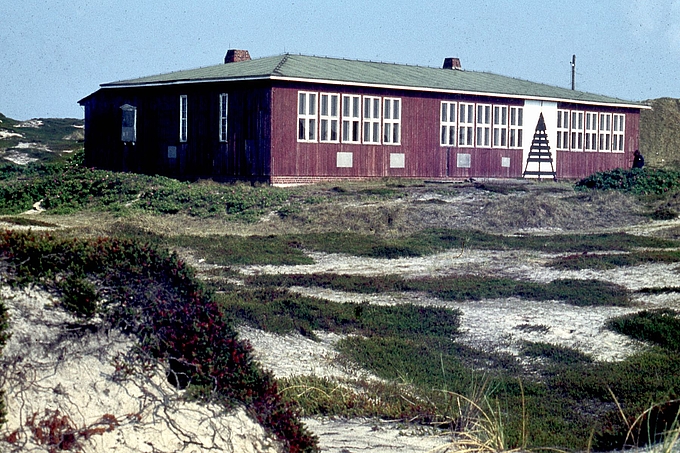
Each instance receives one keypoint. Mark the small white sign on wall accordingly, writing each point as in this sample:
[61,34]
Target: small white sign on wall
[172,152]
[397,160]
[463,160]
[505,162]
[344,160]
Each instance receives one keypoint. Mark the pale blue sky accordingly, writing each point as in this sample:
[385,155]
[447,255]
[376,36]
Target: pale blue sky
[55,52]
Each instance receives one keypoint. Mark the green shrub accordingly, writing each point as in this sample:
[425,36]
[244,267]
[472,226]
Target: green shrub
[661,327]
[554,353]
[642,181]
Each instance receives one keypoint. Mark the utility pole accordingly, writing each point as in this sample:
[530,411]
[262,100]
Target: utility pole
[573,72]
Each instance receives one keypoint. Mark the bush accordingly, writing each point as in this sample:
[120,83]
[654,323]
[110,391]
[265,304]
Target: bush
[661,327]
[150,293]
[641,181]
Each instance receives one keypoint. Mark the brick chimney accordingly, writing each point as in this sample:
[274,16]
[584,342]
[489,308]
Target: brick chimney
[234,56]
[451,63]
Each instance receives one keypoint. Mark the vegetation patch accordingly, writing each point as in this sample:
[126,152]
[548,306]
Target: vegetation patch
[554,353]
[614,260]
[660,327]
[66,187]
[461,288]
[280,311]
[640,181]
[150,293]
[27,221]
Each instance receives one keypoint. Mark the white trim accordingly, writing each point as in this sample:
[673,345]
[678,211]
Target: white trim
[372,113]
[499,134]
[448,120]
[224,117]
[483,126]
[466,124]
[307,114]
[328,120]
[392,121]
[383,86]
[183,118]
[351,118]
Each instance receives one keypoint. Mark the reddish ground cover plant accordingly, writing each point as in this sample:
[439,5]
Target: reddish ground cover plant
[151,293]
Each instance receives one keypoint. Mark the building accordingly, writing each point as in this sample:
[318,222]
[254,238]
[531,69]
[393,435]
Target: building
[300,119]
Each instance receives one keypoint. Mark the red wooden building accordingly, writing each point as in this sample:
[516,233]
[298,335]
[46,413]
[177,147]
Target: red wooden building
[298,119]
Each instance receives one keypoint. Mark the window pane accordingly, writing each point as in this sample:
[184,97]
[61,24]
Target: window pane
[324,130]
[312,104]
[520,120]
[301,129]
[355,131]
[367,131]
[324,104]
[345,105]
[388,110]
[334,130]
[376,132]
[312,129]
[395,110]
[452,135]
[302,104]
[355,107]
[444,113]
[388,131]
[334,105]
[395,130]
[452,113]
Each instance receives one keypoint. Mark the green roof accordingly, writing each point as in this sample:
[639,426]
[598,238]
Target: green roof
[366,73]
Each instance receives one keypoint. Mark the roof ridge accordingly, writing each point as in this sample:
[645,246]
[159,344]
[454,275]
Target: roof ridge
[277,69]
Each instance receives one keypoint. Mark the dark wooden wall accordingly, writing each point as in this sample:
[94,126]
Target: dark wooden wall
[244,155]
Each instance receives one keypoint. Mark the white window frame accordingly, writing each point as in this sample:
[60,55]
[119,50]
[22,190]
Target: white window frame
[516,127]
[329,118]
[618,132]
[590,143]
[563,120]
[500,126]
[466,125]
[183,118]
[224,116]
[372,113]
[392,121]
[447,123]
[605,132]
[308,108]
[483,126]
[351,118]
[576,130]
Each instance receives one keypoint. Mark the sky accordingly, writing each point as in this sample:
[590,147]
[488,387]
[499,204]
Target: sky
[55,52]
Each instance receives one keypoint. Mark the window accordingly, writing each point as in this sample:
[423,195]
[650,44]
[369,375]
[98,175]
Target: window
[307,103]
[447,122]
[500,126]
[329,118]
[351,118]
[618,132]
[128,130]
[183,124]
[516,125]
[371,120]
[563,129]
[392,121]
[466,121]
[591,132]
[224,110]
[576,131]
[483,125]
[605,131]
